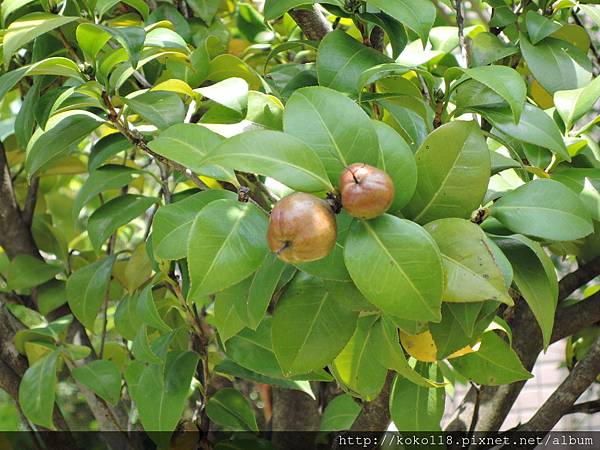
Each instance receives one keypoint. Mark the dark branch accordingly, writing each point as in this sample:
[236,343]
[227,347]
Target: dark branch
[580,277]
[592,407]
[564,397]
[30,201]
[312,22]
[15,236]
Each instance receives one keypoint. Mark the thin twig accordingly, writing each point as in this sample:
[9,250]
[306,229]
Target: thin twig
[30,201]
[460,22]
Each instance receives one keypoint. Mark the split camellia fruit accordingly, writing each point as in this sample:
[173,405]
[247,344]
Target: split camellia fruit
[302,228]
[367,191]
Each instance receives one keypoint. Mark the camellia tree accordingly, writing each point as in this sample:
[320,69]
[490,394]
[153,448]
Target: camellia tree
[294,215]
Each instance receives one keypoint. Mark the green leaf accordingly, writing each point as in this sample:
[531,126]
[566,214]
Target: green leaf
[51,295]
[230,309]
[357,366]
[10,6]
[86,289]
[188,144]
[495,363]
[341,60]
[535,127]
[390,354]
[574,104]
[160,108]
[453,166]
[556,64]
[102,377]
[127,321]
[309,327]
[27,28]
[340,413]
[146,309]
[419,16]
[540,27]
[448,335]
[26,271]
[230,409]
[51,66]
[504,81]
[535,278]
[115,213]
[389,255]
[172,223]
[487,48]
[228,367]
[472,274]
[585,183]
[226,245]
[107,147]
[131,39]
[277,8]
[417,408]
[205,9]
[544,209]
[105,178]
[398,161]
[274,154]
[37,390]
[263,285]
[63,131]
[231,93]
[141,348]
[91,38]
[313,115]
[169,386]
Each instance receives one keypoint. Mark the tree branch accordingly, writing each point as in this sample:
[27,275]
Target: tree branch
[591,407]
[563,398]
[294,411]
[312,22]
[495,402]
[30,201]
[15,235]
[460,22]
[580,277]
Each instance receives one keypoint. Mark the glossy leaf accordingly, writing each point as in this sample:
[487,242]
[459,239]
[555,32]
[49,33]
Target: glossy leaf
[418,16]
[342,59]
[357,366]
[397,266]
[340,413]
[263,285]
[63,131]
[417,408]
[160,108]
[103,179]
[309,327]
[453,166]
[37,390]
[146,309]
[398,161]
[544,209]
[188,144]
[86,289]
[472,274]
[539,27]
[535,277]
[102,377]
[25,272]
[226,244]
[27,28]
[274,154]
[574,104]
[556,64]
[313,115]
[229,409]
[172,223]
[169,387]
[115,213]
[534,127]
[494,363]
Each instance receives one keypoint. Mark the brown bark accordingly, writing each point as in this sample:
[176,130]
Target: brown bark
[312,22]
[293,411]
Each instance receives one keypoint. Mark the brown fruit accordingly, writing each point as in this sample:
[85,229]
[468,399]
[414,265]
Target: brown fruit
[302,228]
[367,191]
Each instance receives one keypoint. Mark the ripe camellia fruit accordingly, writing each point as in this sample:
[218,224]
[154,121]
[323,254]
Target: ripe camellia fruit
[302,228]
[367,191]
